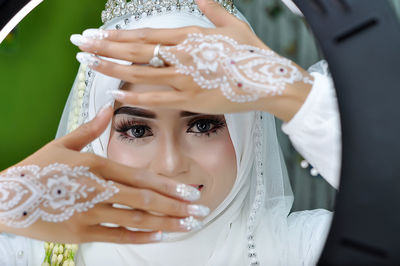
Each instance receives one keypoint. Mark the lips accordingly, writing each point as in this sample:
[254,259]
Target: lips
[198,186]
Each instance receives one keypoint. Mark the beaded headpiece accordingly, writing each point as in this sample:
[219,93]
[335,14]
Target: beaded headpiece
[144,8]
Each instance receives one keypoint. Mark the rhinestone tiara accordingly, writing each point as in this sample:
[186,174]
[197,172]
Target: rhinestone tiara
[143,8]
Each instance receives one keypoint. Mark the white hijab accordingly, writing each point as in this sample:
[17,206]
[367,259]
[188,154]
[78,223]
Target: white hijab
[250,226]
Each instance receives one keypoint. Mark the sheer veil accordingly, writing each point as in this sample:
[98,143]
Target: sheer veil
[250,227]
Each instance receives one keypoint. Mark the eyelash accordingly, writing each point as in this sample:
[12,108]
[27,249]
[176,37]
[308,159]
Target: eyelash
[124,125]
[216,122]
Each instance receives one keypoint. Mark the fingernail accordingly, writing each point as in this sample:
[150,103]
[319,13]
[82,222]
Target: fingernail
[188,193]
[198,210]
[87,59]
[116,94]
[189,223]
[104,107]
[159,236]
[98,34]
[80,40]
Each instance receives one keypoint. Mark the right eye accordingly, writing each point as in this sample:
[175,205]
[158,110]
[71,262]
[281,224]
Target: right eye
[138,131]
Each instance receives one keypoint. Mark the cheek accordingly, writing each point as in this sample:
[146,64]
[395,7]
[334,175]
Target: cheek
[127,153]
[217,160]
[217,157]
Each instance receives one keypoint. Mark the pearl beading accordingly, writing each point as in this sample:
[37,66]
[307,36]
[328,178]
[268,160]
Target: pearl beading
[260,192]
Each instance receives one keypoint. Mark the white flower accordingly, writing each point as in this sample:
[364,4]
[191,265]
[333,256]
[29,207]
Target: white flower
[60,258]
[205,56]
[61,191]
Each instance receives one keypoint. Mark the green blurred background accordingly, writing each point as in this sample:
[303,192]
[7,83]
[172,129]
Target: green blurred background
[38,67]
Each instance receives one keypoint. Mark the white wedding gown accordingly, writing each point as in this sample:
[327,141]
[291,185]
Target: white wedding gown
[314,131]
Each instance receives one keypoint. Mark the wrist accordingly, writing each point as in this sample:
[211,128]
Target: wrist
[287,104]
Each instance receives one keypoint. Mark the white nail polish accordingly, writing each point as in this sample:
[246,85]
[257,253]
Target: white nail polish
[104,107]
[98,34]
[188,193]
[159,236]
[190,224]
[79,40]
[88,59]
[116,94]
[198,210]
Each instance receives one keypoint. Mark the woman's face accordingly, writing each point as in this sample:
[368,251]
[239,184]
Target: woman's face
[191,148]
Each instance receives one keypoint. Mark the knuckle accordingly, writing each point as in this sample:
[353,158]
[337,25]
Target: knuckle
[90,159]
[88,130]
[96,45]
[137,72]
[134,50]
[94,214]
[98,162]
[113,34]
[138,179]
[147,198]
[155,98]
[142,34]
[167,188]
[178,208]
[121,236]
[102,45]
[138,218]
[173,223]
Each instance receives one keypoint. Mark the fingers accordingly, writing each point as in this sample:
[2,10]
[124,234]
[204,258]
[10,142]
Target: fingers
[100,233]
[216,13]
[149,200]
[152,36]
[173,99]
[130,73]
[131,52]
[86,133]
[134,178]
[139,219]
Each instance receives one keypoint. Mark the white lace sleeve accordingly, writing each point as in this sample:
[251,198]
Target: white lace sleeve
[315,128]
[307,231]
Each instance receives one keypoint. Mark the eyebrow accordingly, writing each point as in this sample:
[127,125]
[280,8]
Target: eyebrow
[135,111]
[186,114]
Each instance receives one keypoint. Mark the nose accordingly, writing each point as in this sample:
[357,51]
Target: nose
[170,160]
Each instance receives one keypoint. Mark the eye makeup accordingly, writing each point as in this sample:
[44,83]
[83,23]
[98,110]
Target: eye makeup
[132,128]
[206,125]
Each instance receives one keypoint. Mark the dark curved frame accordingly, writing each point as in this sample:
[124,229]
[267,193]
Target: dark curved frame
[361,42]
[9,8]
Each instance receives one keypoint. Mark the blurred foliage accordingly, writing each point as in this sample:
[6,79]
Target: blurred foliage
[38,67]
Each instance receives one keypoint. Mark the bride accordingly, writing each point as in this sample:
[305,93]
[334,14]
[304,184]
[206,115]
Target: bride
[233,159]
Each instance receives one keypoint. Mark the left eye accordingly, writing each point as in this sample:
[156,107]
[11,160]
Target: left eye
[202,126]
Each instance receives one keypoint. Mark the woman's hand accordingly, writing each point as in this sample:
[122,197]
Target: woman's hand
[212,70]
[59,194]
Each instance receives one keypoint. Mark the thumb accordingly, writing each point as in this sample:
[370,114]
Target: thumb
[216,13]
[86,133]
